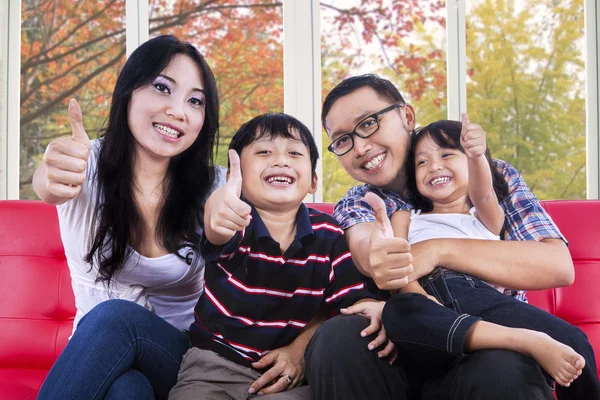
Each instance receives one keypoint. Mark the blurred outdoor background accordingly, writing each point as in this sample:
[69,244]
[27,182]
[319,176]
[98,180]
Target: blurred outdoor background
[524,61]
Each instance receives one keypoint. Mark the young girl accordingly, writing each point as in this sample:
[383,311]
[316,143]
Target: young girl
[456,192]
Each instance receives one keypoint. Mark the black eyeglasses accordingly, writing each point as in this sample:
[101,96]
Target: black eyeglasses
[363,129]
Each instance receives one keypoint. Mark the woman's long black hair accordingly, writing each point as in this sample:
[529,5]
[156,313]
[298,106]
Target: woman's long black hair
[445,134]
[189,177]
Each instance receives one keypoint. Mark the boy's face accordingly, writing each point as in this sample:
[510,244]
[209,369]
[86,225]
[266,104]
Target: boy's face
[378,159]
[276,173]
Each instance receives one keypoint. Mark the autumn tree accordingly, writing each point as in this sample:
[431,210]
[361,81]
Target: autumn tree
[76,48]
[402,42]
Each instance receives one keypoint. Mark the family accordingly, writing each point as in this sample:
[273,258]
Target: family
[193,281]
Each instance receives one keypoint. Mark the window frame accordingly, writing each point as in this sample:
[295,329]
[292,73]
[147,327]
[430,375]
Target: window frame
[302,77]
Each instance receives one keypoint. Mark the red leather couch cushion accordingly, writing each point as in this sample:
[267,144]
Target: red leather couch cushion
[37,304]
[36,299]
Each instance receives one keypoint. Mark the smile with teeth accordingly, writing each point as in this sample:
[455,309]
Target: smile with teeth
[374,162]
[280,179]
[439,180]
[165,130]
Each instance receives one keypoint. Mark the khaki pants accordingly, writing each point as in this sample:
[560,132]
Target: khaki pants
[205,375]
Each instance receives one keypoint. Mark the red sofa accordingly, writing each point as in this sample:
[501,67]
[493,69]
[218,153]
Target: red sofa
[37,304]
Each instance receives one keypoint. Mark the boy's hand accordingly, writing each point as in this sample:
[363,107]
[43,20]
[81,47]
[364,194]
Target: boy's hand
[389,256]
[285,362]
[225,214]
[66,158]
[372,310]
[472,138]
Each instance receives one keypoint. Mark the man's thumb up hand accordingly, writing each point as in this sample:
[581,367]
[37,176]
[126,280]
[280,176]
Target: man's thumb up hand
[380,214]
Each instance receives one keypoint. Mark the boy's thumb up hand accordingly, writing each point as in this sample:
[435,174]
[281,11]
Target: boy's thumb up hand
[76,120]
[380,214]
[225,213]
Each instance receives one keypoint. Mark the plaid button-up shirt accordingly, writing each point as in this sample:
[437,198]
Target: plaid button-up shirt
[525,219]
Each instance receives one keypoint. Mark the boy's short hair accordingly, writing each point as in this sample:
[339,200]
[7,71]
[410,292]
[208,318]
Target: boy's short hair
[383,87]
[274,125]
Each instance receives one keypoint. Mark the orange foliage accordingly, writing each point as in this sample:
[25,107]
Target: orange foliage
[75,48]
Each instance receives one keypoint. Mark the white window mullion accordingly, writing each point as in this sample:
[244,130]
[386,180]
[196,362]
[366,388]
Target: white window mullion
[302,70]
[10,141]
[456,56]
[136,24]
[3,96]
[592,103]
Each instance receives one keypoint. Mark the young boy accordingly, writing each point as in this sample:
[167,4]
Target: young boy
[271,264]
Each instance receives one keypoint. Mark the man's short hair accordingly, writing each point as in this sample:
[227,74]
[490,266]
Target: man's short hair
[383,87]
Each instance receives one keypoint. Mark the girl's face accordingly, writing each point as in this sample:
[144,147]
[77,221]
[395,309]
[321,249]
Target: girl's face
[166,116]
[441,173]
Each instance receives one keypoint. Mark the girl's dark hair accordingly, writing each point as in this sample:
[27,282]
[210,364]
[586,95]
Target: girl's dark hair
[446,134]
[275,125]
[189,177]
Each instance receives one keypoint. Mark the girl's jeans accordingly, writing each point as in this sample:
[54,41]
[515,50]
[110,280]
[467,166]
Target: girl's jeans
[433,336]
[119,350]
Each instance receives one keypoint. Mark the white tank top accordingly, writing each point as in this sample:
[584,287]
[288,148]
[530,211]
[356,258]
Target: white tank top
[167,285]
[448,226]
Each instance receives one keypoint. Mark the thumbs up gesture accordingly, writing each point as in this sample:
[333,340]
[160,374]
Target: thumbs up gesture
[472,138]
[389,257]
[66,158]
[225,213]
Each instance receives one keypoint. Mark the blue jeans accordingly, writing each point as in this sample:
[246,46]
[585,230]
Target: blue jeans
[119,350]
[432,337]
[340,367]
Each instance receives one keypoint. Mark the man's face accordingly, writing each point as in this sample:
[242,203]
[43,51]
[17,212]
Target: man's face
[378,159]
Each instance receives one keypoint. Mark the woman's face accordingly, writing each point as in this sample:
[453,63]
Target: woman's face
[166,116]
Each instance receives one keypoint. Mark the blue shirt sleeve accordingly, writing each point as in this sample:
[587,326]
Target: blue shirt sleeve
[526,219]
[212,252]
[352,209]
[346,284]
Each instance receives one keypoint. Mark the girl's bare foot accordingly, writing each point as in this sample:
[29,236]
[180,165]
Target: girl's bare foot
[558,360]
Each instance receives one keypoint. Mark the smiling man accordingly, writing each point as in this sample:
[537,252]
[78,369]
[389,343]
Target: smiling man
[369,125]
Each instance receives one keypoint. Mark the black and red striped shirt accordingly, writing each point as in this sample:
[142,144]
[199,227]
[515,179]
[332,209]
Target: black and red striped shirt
[256,300]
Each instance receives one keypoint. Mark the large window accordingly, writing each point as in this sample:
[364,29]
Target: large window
[242,42]
[403,42]
[521,73]
[526,87]
[68,49]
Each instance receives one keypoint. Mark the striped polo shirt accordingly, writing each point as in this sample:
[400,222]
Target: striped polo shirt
[256,299]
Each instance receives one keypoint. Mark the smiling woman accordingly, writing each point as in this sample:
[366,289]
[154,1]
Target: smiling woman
[130,207]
